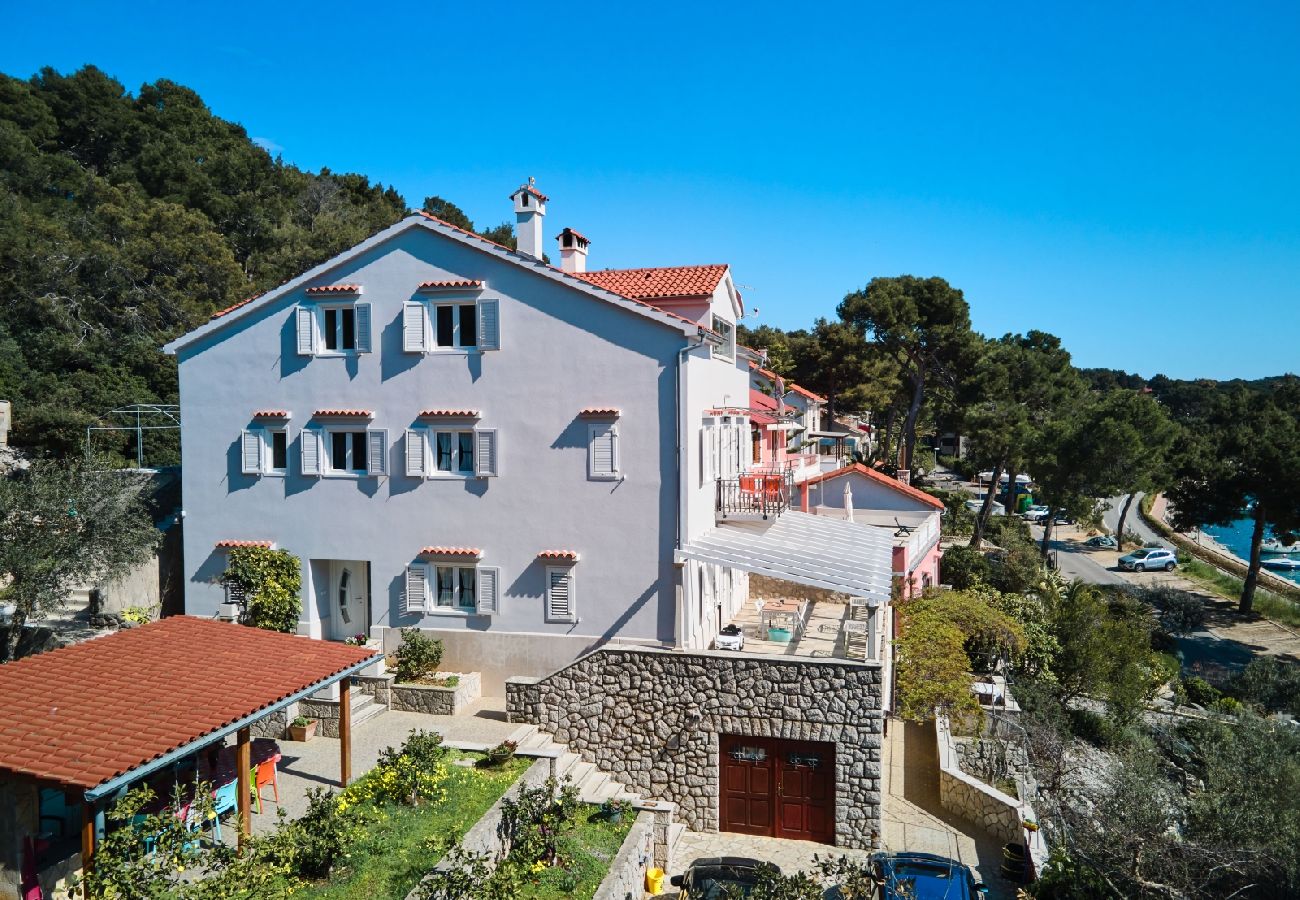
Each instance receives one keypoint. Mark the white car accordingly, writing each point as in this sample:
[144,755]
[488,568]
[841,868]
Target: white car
[1035,513]
[1149,558]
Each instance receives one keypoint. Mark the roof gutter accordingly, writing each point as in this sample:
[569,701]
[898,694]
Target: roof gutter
[115,784]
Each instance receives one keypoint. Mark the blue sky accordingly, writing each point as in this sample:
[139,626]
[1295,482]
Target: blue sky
[1123,175]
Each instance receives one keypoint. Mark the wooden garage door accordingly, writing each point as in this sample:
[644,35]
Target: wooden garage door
[777,788]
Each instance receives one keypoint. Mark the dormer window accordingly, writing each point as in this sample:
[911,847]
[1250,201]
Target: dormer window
[727,331]
[334,324]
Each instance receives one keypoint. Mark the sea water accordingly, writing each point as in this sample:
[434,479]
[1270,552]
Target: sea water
[1236,537]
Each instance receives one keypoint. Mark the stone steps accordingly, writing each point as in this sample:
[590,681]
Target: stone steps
[593,783]
[364,708]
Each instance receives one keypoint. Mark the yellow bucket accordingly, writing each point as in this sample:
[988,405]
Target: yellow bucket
[654,881]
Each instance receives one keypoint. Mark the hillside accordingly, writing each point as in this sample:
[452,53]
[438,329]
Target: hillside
[127,219]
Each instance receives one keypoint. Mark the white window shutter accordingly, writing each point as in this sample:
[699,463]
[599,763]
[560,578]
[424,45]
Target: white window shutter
[602,451]
[250,451]
[417,453]
[559,595]
[305,316]
[414,331]
[309,442]
[363,327]
[487,579]
[489,325]
[377,451]
[706,456]
[485,451]
[417,582]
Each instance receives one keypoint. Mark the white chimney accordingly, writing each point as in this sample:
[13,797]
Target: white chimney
[573,250]
[530,210]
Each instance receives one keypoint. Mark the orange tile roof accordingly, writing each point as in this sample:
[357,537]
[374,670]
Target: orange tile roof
[880,478]
[450,551]
[343,413]
[85,714]
[567,555]
[532,190]
[271,414]
[601,411]
[227,545]
[449,413]
[449,285]
[789,385]
[334,289]
[648,284]
[229,309]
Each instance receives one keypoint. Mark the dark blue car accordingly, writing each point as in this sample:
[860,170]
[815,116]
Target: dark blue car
[924,876]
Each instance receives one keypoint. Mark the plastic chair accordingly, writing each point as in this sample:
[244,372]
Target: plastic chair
[261,775]
[224,799]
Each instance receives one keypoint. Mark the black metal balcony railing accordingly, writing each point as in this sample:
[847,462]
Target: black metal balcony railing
[755,494]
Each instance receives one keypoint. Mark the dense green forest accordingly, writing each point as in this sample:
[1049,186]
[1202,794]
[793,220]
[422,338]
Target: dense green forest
[129,218]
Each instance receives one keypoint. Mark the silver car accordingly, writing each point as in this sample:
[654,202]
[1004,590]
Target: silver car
[1149,558]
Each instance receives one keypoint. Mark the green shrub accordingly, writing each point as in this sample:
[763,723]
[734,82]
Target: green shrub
[136,615]
[964,567]
[498,755]
[322,837]
[1093,727]
[1201,692]
[418,656]
[271,581]
[1270,683]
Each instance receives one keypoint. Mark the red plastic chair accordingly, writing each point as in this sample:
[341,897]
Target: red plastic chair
[262,775]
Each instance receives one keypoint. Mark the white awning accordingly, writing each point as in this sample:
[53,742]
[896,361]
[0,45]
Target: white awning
[805,549]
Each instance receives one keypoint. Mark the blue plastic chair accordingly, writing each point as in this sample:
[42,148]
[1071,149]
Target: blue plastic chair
[224,799]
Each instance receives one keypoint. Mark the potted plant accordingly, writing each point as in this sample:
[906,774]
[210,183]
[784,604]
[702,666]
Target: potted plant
[497,755]
[614,810]
[302,729]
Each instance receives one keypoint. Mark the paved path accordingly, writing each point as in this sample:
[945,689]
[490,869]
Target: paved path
[788,856]
[915,820]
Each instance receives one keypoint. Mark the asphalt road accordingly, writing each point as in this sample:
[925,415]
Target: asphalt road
[1074,561]
[1133,523]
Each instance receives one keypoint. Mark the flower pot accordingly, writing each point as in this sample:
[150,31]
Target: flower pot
[302,732]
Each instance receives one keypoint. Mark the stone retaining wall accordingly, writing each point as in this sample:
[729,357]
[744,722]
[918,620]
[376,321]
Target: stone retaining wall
[652,718]
[326,714]
[435,700]
[377,686]
[626,876]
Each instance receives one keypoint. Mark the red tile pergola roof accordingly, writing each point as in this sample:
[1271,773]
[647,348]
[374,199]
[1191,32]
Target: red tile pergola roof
[83,715]
[651,284]
[232,544]
[328,289]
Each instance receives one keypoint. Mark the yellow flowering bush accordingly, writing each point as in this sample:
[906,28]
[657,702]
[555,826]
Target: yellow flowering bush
[413,775]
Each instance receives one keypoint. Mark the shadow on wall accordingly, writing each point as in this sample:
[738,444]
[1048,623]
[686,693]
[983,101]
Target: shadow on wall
[236,480]
[393,359]
[631,610]
[290,361]
[574,435]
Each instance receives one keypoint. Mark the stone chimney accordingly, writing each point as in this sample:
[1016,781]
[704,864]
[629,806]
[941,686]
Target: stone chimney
[530,210]
[573,250]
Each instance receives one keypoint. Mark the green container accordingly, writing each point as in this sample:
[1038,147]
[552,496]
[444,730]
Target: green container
[780,635]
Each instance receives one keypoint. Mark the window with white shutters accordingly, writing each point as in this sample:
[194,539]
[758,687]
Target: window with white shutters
[485,452]
[415,327]
[489,325]
[560,594]
[417,453]
[603,452]
[305,320]
[489,580]
[250,451]
[349,450]
[415,600]
[309,443]
[708,452]
[377,451]
[335,330]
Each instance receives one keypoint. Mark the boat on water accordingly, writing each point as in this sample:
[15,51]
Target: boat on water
[1284,563]
[1276,548]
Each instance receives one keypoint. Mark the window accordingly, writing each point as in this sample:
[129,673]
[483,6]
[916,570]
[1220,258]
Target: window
[454,452]
[345,452]
[456,325]
[560,594]
[455,587]
[348,451]
[337,330]
[603,452]
[460,453]
[446,588]
[264,451]
[728,333]
[277,440]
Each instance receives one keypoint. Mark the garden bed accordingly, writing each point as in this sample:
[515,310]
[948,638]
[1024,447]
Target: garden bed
[586,855]
[444,694]
[396,850]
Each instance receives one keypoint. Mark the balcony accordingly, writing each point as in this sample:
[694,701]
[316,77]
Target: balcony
[754,495]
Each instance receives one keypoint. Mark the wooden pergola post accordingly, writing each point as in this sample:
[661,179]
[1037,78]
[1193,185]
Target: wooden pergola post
[87,836]
[243,761]
[345,731]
